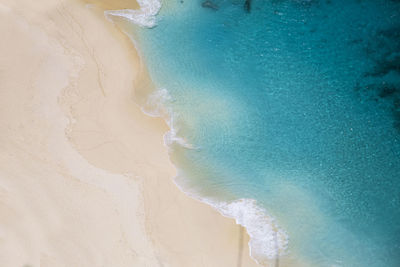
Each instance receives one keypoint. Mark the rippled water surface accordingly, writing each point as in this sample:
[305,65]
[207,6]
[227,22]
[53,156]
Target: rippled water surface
[295,104]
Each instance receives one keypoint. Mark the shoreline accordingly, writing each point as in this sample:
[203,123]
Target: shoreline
[265,238]
[110,197]
[169,135]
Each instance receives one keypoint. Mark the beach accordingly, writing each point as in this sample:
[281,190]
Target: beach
[85,177]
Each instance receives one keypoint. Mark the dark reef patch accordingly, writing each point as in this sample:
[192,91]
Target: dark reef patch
[382,83]
[210,5]
[247,5]
[385,51]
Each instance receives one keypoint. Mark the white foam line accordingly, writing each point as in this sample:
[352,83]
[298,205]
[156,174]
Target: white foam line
[144,17]
[156,106]
[267,240]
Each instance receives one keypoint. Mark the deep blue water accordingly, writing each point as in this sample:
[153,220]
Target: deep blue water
[295,104]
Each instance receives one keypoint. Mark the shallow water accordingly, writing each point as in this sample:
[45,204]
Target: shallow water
[295,104]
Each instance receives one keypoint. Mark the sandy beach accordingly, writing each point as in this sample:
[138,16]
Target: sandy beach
[85,178]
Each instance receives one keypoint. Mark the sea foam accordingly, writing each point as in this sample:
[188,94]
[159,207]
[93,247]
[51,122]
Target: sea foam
[157,106]
[144,17]
[268,241]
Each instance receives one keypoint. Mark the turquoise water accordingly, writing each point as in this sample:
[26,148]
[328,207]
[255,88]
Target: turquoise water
[295,104]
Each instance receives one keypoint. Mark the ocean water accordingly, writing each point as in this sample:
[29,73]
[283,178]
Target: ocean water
[286,117]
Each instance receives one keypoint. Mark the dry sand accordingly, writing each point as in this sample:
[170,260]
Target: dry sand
[85,178]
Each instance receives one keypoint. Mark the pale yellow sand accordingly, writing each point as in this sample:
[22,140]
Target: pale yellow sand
[85,179]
